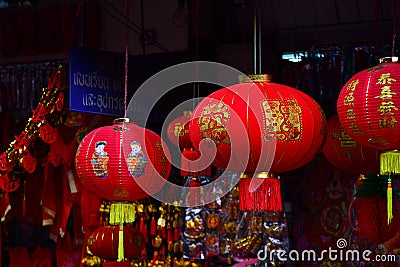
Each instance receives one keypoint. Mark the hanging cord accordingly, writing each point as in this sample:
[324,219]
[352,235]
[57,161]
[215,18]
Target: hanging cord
[71,35]
[394,25]
[257,38]
[126,56]
[142,22]
[196,87]
[132,26]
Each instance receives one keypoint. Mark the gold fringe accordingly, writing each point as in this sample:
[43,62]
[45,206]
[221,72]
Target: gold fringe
[390,162]
[121,255]
[122,212]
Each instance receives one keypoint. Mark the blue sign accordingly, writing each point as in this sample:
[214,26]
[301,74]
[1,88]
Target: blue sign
[96,81]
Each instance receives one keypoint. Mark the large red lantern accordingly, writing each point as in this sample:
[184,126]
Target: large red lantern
[345,153]
[278,127]
[104,242]
[122,162]
[369,110]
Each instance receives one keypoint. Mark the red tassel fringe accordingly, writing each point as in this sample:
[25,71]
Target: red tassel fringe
[194,194]
[267,197]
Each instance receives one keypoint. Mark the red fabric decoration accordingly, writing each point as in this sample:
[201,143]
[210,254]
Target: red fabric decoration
[90,205]
[29,163]
[103,242]
[345,153]
[41,257]
[48,133]
[369,106]
[117,162]
[278,127]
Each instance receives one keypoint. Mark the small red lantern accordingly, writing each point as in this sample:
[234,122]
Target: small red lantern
[104,242]
[122,162]
[278,127]
[178,134]
[178,131]
[345,153]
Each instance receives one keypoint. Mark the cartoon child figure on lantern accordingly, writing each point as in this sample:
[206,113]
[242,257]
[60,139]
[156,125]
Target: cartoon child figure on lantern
[136,160]
[100,159]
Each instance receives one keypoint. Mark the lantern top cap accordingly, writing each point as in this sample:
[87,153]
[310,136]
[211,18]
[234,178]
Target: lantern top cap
[121,120]
[255,78]
[388,59]
[258,175]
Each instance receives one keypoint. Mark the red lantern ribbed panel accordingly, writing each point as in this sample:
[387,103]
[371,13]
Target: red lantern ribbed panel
[117,162]
[282,125]
[103,242]
[369,106]
[345,153]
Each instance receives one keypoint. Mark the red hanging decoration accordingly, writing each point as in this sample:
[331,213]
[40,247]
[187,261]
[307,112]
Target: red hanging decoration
[122,162]
[283,127]
[178,134]
[345,153]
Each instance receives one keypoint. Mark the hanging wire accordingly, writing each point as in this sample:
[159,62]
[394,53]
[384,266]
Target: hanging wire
[394,25]
[126,56]
[132,26]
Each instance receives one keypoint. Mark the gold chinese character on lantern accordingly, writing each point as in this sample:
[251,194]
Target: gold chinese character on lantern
[385,79]
[345,140]
[386,93]
[387,122]
[348,99]
[352,85]
[350,114]
[387,108]
[354,129]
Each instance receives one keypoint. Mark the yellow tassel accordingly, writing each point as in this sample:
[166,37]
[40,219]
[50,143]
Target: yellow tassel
[121,256]
[390,162]
[389,202]
[121,212]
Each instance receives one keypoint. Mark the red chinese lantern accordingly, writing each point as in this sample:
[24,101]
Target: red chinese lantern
[345,153]
[368,108]
[104,242]
[278,127]
[122,162]
[178,131]
[178,134]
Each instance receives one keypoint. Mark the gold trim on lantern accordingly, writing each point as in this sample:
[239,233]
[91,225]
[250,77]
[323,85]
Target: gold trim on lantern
[258,175]
[389,59]
[390,162]
[255,78]
[121,120]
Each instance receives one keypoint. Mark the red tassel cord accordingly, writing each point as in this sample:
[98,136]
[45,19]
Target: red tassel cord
[194,193]
[153,227]
[143,229]
[267,197]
